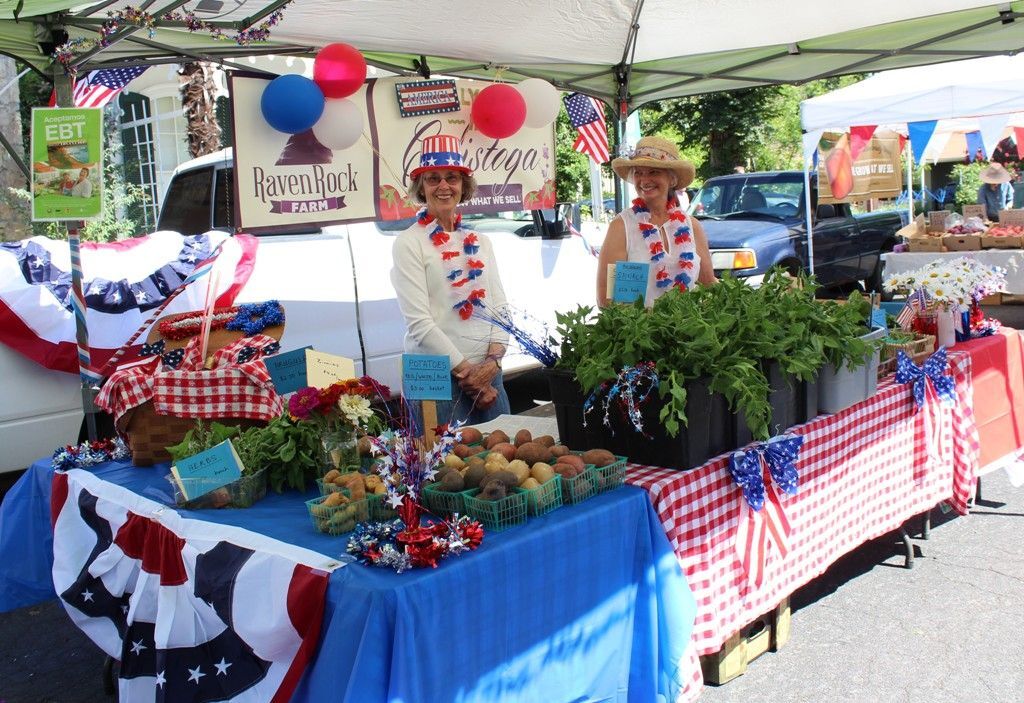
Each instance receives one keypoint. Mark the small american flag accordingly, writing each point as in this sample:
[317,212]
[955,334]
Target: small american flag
[100,86]
[909,312]
[587,115]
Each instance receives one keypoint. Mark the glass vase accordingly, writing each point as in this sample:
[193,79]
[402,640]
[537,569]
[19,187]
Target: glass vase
[339,449]
[945,329]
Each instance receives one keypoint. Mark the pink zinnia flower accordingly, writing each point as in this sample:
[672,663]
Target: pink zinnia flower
[303,403]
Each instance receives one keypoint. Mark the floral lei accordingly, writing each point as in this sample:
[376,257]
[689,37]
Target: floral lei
[681,238]
[457,272]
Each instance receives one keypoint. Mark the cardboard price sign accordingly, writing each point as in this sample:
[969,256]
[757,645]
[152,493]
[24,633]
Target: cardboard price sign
[937,220]
[974,211]
[1011,217]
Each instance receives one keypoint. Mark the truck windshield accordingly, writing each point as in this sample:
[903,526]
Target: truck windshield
[771,195]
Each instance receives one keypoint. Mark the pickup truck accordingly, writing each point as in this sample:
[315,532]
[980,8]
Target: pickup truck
[336,289]
[758,220]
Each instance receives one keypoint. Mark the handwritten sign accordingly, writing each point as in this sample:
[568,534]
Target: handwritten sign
[323,369]
[426,377]
[975,211]
[630,281]
[207,471]
[288,370]
[1011,217]
[877,318]
[937,220]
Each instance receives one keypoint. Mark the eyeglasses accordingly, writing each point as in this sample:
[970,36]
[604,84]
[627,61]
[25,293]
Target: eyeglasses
[433,179]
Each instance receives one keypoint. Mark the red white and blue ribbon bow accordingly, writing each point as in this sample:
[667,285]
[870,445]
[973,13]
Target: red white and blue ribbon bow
[762,518]
[934,370]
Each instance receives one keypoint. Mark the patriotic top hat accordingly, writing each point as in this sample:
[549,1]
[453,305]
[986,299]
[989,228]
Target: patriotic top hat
[442,152]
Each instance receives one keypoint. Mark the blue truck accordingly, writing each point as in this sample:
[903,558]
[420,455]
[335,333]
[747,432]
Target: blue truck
[757,220]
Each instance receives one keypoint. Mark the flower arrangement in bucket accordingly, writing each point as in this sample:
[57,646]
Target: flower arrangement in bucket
[344,413]
[946,294]
[405,465]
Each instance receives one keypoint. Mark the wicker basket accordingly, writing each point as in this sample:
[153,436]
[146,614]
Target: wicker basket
[918,350]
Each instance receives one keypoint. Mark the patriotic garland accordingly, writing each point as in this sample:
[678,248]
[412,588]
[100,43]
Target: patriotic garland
[631,387]
[537,343]
[460,266]
[682,239]
[376,544]
[89,454]
[249,318]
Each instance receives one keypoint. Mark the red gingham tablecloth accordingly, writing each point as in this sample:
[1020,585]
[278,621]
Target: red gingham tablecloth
[863,473]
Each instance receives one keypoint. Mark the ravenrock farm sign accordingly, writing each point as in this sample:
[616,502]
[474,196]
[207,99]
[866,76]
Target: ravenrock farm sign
[289,182]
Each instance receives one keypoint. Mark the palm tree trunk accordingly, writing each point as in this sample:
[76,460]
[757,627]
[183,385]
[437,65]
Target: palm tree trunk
[199,103]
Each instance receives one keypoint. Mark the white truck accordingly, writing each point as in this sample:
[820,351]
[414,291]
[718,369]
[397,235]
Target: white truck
[336,289]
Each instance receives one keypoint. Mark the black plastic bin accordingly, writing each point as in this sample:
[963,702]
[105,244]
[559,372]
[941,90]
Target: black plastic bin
[568,397]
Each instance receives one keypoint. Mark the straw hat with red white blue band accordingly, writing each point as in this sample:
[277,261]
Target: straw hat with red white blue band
[440,153]
[655,152]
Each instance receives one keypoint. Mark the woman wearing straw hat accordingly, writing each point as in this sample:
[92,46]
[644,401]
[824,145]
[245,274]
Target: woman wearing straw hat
[654,229]
[996,193]
[442,273]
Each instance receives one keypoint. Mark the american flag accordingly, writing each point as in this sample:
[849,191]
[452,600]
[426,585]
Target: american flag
[587,115]
[909,312]
[99,87]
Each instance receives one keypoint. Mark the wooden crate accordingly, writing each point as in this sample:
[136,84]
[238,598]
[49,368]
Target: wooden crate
[994,299]
[768,633]
[962,242]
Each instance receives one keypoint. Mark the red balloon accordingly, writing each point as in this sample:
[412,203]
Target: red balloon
[339,70]
[498,111]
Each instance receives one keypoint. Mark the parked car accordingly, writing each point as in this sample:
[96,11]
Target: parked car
[758,220]
[336,289]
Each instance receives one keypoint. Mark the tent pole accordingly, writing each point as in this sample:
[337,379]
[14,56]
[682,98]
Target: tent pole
[910,181]
[808,214]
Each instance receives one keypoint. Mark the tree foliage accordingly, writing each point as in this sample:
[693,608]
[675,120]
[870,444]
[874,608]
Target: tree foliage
[572,168]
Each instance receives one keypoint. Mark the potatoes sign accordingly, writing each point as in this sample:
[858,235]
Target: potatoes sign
[287,182]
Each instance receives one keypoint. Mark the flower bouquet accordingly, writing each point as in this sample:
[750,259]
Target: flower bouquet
[344,413]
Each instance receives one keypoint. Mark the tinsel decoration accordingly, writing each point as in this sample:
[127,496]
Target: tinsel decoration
[403,466]
[530,333]
[89,454]
[628,391]
[253,318]
[376,543]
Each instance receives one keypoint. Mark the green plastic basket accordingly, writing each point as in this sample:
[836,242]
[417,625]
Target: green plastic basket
[241,493]
[338,519]
[609,477]
[580,487]
[497,514]
[545,497]
[443,503]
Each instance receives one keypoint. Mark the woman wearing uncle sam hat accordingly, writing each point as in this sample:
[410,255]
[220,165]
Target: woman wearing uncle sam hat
[442,273]
[654,229]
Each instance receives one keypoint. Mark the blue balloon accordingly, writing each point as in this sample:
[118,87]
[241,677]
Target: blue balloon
[292,103]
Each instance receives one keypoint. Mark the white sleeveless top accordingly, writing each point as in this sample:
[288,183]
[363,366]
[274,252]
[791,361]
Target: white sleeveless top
[638,249]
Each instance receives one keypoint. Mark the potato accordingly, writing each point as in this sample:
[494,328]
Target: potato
[495,490]
[331,475]
[372,481]
[529,484]
[474,474]
[496,458]
[496,437]
[462,451]
[354,484]
[545,439]
[453,482]
[571,460]
[559,450]
[454,462]
[566,470]
[364,446]
[334,499]
[522,437]
[507,478]
[520,468]
[474,461]
[471,435]
[531,453]
[541,472]
[598,457]
[506,449]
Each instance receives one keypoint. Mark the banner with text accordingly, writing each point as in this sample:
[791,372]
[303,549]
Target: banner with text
[876,173]
[292,182]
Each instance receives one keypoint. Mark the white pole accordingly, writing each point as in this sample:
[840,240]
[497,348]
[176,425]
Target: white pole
[809,214]
[910,180]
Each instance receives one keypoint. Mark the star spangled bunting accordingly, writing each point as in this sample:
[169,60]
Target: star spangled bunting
[587,116]
[934,370]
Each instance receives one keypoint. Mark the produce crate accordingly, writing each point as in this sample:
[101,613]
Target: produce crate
[243,493]
[962,242]
[580,487]
[1007,242]
[443,503]
[769,632]
[338,519]
[497,514]
[927,244]
[994,299]
[545,497]
[380,509]
[607,477]
[1013,299]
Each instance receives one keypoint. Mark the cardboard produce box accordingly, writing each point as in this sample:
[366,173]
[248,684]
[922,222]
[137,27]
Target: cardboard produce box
[962,242]
[1007,242]
[925,244]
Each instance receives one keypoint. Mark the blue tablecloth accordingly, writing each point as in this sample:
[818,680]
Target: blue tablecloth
[585,604]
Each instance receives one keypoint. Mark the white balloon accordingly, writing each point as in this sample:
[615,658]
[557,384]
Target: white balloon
[340,126]
[542,102]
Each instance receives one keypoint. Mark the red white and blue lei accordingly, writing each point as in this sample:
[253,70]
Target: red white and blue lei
[682,239]
[460,265]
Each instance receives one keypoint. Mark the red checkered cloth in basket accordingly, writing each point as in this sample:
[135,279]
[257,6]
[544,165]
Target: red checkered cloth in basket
[863,473]
[229,389]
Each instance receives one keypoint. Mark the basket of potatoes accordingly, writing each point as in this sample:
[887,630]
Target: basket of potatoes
[542,461]
[337,513]
[607,470]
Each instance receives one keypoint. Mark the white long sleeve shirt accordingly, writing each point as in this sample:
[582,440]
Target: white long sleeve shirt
[426,300]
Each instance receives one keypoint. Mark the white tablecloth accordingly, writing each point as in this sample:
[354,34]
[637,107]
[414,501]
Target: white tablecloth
[1010,259]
